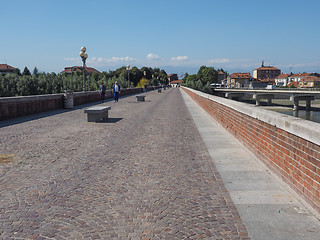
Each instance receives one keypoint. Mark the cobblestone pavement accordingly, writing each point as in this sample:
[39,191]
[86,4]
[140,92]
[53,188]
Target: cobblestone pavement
[143,174]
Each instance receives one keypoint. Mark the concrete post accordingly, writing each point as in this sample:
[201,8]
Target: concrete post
[308,105]
[296,105]
[269,101]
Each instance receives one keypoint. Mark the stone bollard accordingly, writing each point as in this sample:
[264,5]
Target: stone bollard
[68,99]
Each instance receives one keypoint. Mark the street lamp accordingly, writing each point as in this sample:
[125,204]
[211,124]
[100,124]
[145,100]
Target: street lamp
[128,69]
[84,57]
[145,80]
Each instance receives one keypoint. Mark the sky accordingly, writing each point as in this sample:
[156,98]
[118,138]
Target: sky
[178,36]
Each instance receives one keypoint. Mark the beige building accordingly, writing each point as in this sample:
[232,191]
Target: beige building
[309,82]
[239,80]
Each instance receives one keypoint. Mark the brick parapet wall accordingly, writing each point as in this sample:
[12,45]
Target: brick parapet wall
[12,107]
[289,146]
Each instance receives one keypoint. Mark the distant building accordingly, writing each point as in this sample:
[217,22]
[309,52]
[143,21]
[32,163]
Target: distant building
[283,79]
[298,76]
[88,70]
[173,77]
[310,82]
[175,83]
[239,80]
[222,77]
[266,72]
[5,69]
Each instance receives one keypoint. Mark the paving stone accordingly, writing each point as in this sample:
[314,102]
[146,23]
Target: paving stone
[143,174]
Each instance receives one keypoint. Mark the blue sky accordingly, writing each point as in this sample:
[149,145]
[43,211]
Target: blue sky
[175,35]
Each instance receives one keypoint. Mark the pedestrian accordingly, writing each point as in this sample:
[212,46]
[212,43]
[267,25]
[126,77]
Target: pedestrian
[102,91]
[116,91]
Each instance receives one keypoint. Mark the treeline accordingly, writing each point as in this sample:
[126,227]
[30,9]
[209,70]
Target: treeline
[202,80]
[25,83]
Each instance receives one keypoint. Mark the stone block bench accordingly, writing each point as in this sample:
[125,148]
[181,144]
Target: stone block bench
[141,98]
[97,113]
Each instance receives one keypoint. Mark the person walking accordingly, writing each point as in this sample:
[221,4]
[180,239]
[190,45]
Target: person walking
[102,91]
[116,91]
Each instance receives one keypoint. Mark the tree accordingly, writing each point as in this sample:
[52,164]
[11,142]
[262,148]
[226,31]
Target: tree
[17,71]
[135,75]
[35,72]
[26,72]
[208,74]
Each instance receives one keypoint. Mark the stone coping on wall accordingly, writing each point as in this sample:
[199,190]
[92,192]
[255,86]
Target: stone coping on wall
[30,98]
[305,129]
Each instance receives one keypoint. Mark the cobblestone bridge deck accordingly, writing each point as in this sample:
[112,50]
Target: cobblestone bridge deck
[146,173]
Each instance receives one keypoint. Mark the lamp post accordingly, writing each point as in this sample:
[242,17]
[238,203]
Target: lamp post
[145,80]
[84,57]
[128,69]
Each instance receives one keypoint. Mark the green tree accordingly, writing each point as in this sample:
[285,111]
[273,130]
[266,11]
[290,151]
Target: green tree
[207,74]
[135,75]
[26,72]
[35,72]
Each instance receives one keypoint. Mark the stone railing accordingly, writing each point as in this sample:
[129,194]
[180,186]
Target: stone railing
[289,146]
[12,107]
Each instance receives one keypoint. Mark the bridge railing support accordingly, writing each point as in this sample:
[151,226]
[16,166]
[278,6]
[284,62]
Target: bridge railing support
[298,98]
[259,96]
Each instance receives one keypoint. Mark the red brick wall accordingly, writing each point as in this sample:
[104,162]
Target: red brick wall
[12,107]
[294,159]
[20,106]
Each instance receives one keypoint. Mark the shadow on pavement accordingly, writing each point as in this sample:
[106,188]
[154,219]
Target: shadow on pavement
[112,120]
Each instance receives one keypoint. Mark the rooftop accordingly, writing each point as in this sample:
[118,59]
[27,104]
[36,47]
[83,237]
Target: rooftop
[6,66]
[284,75]
[79,69]
[240,75]
[310,79]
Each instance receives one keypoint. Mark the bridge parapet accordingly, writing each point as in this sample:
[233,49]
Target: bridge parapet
[289,146]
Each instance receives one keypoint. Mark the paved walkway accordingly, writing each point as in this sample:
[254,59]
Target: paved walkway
[144,174]
[150,172]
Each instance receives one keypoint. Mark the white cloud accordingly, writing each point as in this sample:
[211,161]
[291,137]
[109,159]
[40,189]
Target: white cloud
[180,58]
[219,61]
[121,59]
[93,60]
[152,56]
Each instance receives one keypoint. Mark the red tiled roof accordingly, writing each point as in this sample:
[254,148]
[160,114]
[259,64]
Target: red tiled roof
[295,84]
[310,79]
[6,66]
[267,68]
[177,81]
[79,69]
[240,75]
[284,75]
[301,74]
